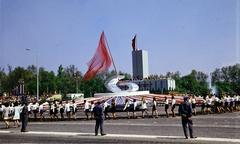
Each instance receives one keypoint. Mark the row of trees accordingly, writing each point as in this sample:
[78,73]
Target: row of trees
[70,80]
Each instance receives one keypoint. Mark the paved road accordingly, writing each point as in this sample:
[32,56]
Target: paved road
[215,128]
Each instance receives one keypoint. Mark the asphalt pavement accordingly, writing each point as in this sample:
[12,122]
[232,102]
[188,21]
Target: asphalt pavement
[213,128]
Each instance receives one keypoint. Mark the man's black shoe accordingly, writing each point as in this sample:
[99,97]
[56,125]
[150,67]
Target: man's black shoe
[186,137]
[103,134]
[24,131]
[193,137]
[96,134]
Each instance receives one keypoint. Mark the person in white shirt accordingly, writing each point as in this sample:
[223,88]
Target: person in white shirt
[209,105]
[61,109]
[67,110]
[34,109]
[29,109]
[173,106]
[16,116]
[166,103]
[127,108]
[144,107]
[6,113]
[134,108]
[41,111]
[204,103]
[106,109]
[74,109]
[91,109]
[86,108]
[193,101]
[154,108]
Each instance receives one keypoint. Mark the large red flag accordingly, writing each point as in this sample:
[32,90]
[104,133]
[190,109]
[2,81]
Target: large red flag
[101,60]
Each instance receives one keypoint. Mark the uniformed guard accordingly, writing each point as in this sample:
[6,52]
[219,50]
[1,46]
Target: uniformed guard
[185,110]
[24,117]
[98,114]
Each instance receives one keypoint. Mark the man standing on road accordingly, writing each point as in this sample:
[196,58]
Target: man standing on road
[24,117]
[98,114]
[185,110]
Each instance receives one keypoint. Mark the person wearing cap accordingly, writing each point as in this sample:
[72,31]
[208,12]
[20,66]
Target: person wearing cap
[185,110]
[24,117]
[98,114]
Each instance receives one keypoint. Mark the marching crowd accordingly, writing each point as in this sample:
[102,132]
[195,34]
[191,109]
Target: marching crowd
[58,110]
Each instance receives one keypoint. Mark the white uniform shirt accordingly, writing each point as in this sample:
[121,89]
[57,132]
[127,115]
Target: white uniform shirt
[173,102]
[67,107]
[86,106]
[144,105]
[166,102]
[17,111]
[135,105]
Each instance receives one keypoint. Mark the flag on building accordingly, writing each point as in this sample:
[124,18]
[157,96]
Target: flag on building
[134,45]
[101,60]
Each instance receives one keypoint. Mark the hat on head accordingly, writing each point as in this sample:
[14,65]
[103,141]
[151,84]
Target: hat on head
[185,98]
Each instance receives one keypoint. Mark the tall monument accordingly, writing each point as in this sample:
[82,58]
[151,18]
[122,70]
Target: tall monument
[140,64]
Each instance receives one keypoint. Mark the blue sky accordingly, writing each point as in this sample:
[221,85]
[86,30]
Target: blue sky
[179,35]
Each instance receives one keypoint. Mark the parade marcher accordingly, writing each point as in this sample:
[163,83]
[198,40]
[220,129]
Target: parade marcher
[193,101]
[86,108]
[127,108]
[91,109]
[55,110]
[113,108]
[41,111]
[204,102]
[67,110]
[24,117]
[185,110]
[106,109]
[1,111]
[6,115]
[34,109]
[61,109]
[134,108]
[51,110]
[154,108]
[144,107]
[74,109]
[166,103]
[173,106]
[231,103]
[16,116]
[209,105]
[98,114]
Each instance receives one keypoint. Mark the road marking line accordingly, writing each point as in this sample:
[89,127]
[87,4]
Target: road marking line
[147,125]
[5,131]
[136,136]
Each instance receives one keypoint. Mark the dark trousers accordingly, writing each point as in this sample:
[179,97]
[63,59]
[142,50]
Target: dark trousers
[24,123]
[187,122]
[99,122]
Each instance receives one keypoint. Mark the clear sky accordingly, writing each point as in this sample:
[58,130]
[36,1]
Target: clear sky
[179,35]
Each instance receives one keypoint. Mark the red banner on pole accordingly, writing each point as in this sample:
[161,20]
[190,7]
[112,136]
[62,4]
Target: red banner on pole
[101,60]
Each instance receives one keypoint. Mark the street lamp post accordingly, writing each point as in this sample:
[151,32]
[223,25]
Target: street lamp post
[37,74]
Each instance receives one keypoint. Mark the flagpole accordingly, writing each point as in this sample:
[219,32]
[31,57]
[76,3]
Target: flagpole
[110,53]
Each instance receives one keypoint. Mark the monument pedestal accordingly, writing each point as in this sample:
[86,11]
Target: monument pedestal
[123,93]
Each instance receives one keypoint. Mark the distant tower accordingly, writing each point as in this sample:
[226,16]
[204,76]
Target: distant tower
[140,64]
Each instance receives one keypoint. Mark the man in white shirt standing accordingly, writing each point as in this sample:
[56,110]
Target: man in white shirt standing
[173,106]
[68,110]
[86,108]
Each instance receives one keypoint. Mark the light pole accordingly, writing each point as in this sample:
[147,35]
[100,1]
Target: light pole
[37,73]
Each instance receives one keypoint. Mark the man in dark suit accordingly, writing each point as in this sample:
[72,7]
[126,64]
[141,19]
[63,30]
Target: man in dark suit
[98,114]
[185,110]
[24,117]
